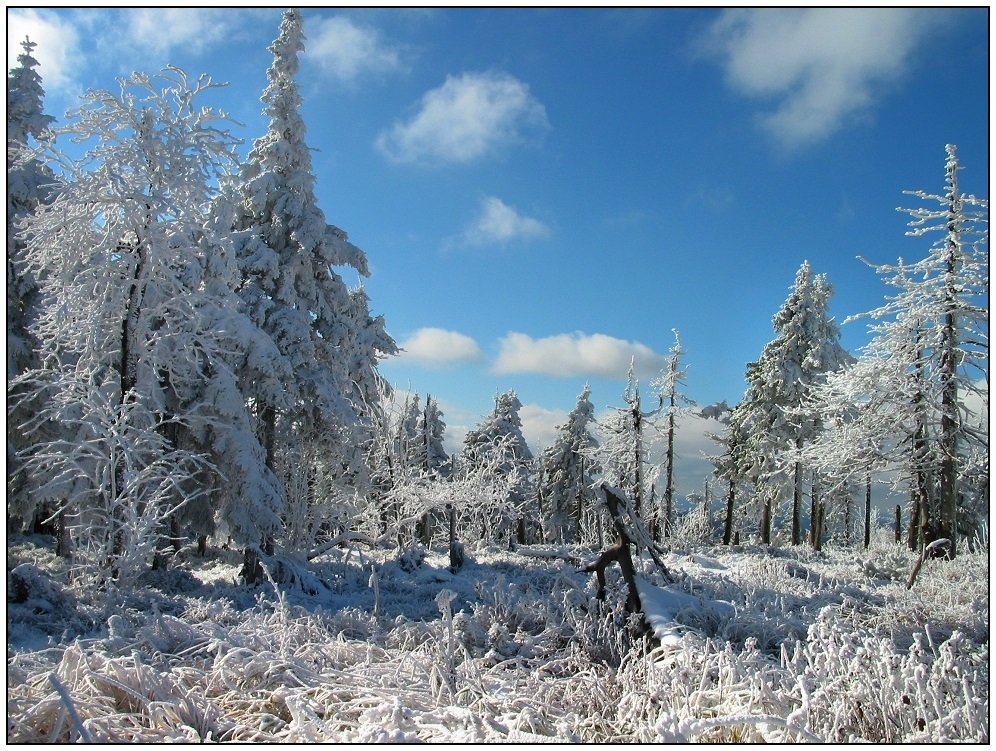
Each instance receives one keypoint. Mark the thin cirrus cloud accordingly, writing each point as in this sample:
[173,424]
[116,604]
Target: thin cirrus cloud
[345,51]
[156,32]
[470,116]
[161,29]
[818,66]
[436,347]
[578,354]
[498,223]
[57,40]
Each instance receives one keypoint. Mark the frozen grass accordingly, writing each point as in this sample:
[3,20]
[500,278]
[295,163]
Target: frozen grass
[817,646]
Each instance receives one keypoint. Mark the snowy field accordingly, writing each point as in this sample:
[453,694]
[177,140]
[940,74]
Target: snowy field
[755,644]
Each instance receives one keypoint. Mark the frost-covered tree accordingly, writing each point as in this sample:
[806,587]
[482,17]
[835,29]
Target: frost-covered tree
[326,339]
[675,405]
[623,453]
[805,348]
[139,328]
[408,463]
[728,465]
[29,183]
[431,456]
[567,473]
[431,431]
[901,407]
[498,443]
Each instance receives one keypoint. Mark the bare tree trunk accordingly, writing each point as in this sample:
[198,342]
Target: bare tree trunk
[848,531]
[818,527]
[868,510]
[947,522]
[814,511]
[766,520]
[899,524]
[456,549]
[669,485]
[579,503]
[728,524]
[63,537]
[252,569]
[913,536]
[797,505]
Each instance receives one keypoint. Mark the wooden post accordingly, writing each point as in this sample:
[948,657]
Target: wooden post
[899,524]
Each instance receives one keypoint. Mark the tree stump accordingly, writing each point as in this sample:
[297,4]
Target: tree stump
[252,569]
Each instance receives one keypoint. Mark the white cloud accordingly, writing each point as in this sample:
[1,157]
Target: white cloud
[819,66]
[57,53]
[115,34]
[432,346]
[159,30]
[345,50]
[576,354]
[539,425]
[470,116]
[499,223]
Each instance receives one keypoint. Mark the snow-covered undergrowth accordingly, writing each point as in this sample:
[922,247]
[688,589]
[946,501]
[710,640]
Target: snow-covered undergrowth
[365,645]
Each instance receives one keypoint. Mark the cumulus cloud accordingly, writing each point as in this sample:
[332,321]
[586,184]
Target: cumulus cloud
[57,53]
[345,51]
[819,66]
[499,223]
[576,354]
[435,347]
[470,116]
[539,425]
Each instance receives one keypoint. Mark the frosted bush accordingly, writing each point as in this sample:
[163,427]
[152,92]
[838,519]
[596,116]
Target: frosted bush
[887,564]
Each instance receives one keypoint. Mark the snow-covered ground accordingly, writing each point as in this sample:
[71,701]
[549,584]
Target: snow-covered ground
[754,644]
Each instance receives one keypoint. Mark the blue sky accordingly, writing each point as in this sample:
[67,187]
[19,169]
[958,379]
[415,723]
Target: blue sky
[543,193]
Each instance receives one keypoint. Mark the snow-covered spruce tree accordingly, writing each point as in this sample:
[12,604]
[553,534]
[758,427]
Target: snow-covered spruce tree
[29,183]
[431,431]
[431,455]
[567,472]
[396,463]
[728,466]
[408,462]
[876,419]
[322,330]
[137,327]
[497,444]
[806,347]
[675,405]
[901,406]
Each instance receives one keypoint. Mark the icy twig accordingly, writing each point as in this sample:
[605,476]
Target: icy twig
[67,700]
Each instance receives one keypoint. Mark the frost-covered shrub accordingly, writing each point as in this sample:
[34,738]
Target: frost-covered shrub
[692,529]
[814,650]
[411,557]
[892,564]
